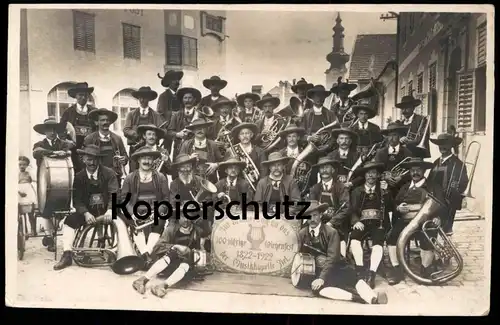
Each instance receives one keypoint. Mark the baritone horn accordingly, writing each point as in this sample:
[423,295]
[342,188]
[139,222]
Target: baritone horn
[206,187]
[203,112]
[468,190]
[127,261]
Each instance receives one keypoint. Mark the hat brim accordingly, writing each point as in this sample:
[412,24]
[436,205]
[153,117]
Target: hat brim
[297,130]
[349,87]
[413,103]
[42,128]
[241,98]
[275,101]
[320,208]
[323,93]
[379,167]
[141,129]
[73,91]
[82,152]
[230,103]
[268,162]
[168,78]
[94,114]
[307,86]
[335,133]
[240,164]
[154,154]
[149,95]
[237,129]
[187,161]
[203,125]
[195,92]
[207,83]
[399,130]
[422,164]
[454,141]
[371,112]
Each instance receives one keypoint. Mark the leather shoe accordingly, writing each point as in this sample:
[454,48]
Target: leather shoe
[395,275]
[66,260]
[372,275]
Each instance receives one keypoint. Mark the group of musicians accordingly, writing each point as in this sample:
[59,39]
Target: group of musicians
[363,182]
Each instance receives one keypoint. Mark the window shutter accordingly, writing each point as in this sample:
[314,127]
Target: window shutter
[83,31]
[174,50]
[423,109]
[131,41]
[465,103]
[481,45]
[432,108]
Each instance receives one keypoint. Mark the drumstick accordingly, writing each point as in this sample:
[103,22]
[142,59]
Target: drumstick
[314,249]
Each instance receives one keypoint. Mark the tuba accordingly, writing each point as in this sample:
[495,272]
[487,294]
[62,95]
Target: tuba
[205,112]
[127,261]
[443,246]
[206,187]
[350,119]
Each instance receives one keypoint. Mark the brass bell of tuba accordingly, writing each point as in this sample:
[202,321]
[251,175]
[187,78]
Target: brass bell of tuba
[206,187]
[443,246]
[128,261]
[203,112]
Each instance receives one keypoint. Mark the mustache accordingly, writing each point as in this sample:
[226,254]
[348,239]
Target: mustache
[105,124]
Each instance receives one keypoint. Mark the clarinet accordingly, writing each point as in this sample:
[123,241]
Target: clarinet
[382,206]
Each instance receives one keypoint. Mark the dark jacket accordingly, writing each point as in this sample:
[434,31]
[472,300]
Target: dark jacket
[349,161]
[384,157]
[242,186]
[167,103]
[433,188]
[416,123]
[116,143]
[288,186]
[307,121]
[357,198]
[442,174]
[132,122]
[340,195]
[207,100]
[369,136]
[43,148]
[257,155]
[109,184]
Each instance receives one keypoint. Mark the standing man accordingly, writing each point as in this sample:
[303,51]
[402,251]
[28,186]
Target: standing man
[215,84]
[232,185]
[77,115]
[112,150]
[347,155]
[247,111]
[342,90]
[168,101]
[244,135]
[451,173]
[368,132]
[93,190]
[416,124]
[300,89]
[140,116]
[151,135]
[224,122]
[268,104]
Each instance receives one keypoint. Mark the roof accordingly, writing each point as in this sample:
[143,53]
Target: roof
[370,55]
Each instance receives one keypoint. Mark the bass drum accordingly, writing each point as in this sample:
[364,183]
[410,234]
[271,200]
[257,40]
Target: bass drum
[303,270]
[55,184]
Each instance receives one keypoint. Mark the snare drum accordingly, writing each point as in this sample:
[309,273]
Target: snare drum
[303,270]
[55,184]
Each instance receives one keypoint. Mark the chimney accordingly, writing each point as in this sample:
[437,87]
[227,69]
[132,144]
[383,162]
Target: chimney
[294,82]
[257,89]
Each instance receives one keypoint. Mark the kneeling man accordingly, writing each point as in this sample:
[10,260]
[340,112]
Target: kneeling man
[335,278]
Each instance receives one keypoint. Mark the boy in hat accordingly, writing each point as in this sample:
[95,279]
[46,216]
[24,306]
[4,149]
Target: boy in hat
[113,152]
[336,195]
[346,154]
[368,132]
[232,186]
[319,115]
[148,185]
[200,144]
[215,84]
[408,202]
[168,101]
[342,90]
[416,124]
[268,104]
[176,129]
[370,206]
[151,136]
[300,89]
[247,111]
[77,115]
[451,173]
[93,187]
[336,279]
[140,116]
[274,187]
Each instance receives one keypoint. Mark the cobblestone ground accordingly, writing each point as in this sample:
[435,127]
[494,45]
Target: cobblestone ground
[74,287]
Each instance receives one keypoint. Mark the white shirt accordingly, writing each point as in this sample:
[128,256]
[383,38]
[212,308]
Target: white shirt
[292,152]
[82,109]
[418,184]
[249,110]
[343,153]
[445,159]
[200,144]
[224,119]
[155,147]
[315,230]
[409,120]
[369,189]
[89,175]
[231,183]
[248,148]
[144,111]
[328,185]
[51,142]
[105,137]
[172,91]
[186,180]
[215,97]
[363,126]
[145,177]
[317,110]
[343,104]
[189,111]
[393,150]
[268,121]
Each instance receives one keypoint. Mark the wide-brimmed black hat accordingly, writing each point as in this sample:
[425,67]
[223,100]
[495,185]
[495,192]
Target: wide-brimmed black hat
[232,161]
[380,167]
[318,89]
[241,98]
[268,98]
[193,91]
[49,123]
[291,128]
[94,114]
[397,127]
[275,157]
[182,159]
[80,87]
[236,130]
[408,101]
[145,92]
[417,161]
[371,112]
[199,124]
[328,161]
[170,76]
[316,206]
[141,129]
[344,130]
[343,86]
[302,83]
[145,151]
[446,138]
[224,102]
[215,80]
[90,150]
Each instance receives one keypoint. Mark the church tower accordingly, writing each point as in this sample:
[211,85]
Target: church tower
[337,57]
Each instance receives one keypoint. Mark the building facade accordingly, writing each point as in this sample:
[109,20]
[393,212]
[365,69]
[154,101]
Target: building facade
[442,61]
[116,52]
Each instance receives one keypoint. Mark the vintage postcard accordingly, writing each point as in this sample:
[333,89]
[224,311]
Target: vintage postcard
[250,158]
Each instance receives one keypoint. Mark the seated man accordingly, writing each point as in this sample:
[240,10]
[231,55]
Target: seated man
[174,254]
[370,206]
[93,188]
[408,202]
[233,186]
[335,278]
[336,195]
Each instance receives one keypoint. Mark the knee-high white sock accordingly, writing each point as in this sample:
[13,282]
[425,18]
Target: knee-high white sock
[152,240]
[376,257]
[393,255]
[68,236]
[357,252]
[335,294]
[177,275]
[48,227]
[427,257]
[343,248]
[157,267]
[365,292]
[140,242]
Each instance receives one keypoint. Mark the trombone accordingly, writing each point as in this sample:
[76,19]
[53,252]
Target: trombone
[463,171]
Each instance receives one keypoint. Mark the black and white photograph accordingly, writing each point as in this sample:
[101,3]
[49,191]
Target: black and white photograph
[270,159]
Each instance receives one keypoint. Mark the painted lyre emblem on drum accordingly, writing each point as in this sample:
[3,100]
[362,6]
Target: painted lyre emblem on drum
[55,184]
[256,236]
[303,270]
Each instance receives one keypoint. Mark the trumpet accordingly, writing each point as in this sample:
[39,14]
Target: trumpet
[118,163]
[397,171]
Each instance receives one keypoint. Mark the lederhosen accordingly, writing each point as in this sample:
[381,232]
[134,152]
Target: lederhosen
[147,193]
[95,204]
[371,216]
[247,118]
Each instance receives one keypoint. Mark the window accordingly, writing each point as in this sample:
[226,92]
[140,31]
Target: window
[481,45]
[410,88]
[83,31]
[432,76]
[58,100]
[432,106]
[214,23]
[420,83]
[123,102]
[182,50]
[465,102]
[131,42]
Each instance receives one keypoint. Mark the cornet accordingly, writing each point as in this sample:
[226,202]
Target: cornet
[118,163]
